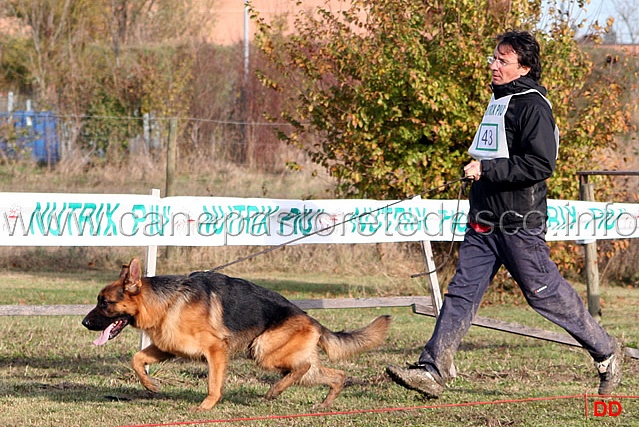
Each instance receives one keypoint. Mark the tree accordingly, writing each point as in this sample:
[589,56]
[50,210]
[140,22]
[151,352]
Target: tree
[106,58]
[388,93]
[53,26]
[628,12]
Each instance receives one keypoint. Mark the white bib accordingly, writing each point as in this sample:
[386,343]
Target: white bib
[490,139]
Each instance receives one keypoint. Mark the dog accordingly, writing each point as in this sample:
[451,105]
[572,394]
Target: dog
[208,315]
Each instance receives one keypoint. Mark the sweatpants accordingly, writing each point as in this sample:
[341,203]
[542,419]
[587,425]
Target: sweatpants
[527,257]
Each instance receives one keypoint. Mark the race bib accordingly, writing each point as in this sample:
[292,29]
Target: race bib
[488,137]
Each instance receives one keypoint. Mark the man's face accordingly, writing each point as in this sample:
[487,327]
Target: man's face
[505,66]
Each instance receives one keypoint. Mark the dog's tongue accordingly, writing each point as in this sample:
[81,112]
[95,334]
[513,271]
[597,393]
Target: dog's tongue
[104,336]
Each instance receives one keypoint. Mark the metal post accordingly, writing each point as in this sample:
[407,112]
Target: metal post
[246,40]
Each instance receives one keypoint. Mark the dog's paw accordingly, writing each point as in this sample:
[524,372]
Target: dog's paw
[151,384]
[270,395]
[319,407]
[208,403]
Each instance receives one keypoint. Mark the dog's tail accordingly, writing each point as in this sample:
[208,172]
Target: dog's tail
[340,345]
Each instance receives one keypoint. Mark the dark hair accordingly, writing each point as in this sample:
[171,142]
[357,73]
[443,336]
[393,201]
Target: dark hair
[527,49]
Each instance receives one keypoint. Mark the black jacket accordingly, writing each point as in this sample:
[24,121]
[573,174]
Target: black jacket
[511,193]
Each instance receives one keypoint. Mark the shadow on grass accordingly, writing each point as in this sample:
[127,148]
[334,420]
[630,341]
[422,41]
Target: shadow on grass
[58,364]
[74,392]
[57,380]
[107,380]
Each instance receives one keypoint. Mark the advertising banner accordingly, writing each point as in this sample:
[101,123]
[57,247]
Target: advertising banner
[50,219]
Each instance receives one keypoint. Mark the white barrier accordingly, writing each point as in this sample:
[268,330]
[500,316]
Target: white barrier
[56,219]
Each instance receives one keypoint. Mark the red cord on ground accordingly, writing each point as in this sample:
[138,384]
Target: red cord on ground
[585,396]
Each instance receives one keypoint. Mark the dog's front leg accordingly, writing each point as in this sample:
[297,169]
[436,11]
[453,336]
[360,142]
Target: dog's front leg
[217,359]
[148,356]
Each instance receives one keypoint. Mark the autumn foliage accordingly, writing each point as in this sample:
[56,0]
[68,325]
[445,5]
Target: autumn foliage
[388,94]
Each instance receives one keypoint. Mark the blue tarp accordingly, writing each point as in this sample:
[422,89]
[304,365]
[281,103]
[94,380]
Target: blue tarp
[37,133]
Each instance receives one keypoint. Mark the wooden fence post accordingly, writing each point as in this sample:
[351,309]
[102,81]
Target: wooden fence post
[171,168]
[587,193]
[171,158]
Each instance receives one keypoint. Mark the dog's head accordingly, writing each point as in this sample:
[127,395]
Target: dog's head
[117,306]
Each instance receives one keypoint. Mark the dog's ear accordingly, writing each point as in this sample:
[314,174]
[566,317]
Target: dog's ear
[124,272]
[133,279]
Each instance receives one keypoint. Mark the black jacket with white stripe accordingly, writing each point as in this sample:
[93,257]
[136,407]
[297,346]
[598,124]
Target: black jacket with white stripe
[511,192]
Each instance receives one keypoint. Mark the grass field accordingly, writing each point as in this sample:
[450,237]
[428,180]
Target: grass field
[51,374]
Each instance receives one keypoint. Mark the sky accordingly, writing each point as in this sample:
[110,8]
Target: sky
[229,29]
[600,10]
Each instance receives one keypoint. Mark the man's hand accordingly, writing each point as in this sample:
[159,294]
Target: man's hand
[473,170]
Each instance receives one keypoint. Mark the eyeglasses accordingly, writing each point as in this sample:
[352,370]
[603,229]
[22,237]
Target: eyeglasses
[500,62]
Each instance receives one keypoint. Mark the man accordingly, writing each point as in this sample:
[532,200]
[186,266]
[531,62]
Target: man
[515,151]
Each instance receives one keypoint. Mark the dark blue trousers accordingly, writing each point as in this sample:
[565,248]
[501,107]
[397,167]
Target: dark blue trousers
[526,256]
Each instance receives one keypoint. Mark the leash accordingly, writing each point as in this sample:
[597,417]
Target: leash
[297,239]
[462,189]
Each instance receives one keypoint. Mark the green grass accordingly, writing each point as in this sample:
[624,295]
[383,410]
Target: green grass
[51,374]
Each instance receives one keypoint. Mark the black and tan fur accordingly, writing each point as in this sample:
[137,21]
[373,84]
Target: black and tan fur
[209,315]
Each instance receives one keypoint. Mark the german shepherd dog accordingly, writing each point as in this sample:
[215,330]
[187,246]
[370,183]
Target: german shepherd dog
[210,316]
